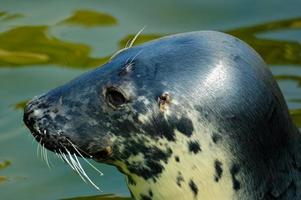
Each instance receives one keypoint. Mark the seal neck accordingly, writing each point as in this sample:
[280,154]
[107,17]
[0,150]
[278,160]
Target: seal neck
[205,177]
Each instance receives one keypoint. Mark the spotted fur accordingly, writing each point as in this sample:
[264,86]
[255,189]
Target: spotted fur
[224,131]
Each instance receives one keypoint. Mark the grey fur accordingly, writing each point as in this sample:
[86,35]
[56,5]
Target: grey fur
[212,76]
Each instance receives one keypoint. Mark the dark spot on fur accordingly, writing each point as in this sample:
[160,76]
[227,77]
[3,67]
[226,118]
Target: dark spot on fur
[177,159]
[125,126]
[234,171]
[148,168]
[43,105]
[169,150]
[216,138]
[218,170]
[194,146]
[55,110]
[145,197]
[205,112]
[159,126]
[193,187]
[185,126]
[131,180]
[151,170]
[150,193]
[180,179]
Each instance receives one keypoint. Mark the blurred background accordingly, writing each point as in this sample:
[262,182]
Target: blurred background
[43,44]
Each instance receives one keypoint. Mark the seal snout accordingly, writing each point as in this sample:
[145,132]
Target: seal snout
[30,116]
[27,118]
[40,127]
[48,125]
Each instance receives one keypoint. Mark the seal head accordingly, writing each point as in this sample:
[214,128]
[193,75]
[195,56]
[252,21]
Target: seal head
[189,116]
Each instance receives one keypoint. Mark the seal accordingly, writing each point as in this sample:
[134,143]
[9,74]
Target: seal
[189,116]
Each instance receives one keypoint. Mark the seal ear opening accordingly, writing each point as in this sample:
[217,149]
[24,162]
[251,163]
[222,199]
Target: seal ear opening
[164,100]
[114,97]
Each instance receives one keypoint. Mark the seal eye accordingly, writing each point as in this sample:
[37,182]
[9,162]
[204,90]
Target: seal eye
[114,97]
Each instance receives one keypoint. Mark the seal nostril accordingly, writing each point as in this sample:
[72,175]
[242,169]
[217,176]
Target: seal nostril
[26,117]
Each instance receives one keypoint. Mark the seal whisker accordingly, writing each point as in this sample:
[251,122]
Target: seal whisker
[33,139]
[134,57]
[71,160]
[37,151]
[189,116]
[59,156]
[129,44]
[135,37]
[78,164]
[38,148]
[75,148]
[44,154]
[66,160]
[117,52]
[76,168]
[47,159]
[39,143]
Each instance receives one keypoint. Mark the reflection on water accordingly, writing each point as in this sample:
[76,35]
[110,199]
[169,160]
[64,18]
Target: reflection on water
[294,78]
[141,39]
[4,164]
[30,45]
[296,115]
[274,52]
[6,16]
[100,197]
[25,45]
[295,100]
[2,179]
[89,18]
[21,104]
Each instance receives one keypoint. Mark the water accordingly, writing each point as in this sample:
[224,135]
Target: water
[44,44]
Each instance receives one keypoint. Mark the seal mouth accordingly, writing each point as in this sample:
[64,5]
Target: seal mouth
[65,149]
[58,143]
[62,144]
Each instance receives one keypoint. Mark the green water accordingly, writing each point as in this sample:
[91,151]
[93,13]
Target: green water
[43,44]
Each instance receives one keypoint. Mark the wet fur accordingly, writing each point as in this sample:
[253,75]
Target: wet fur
[225,134]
